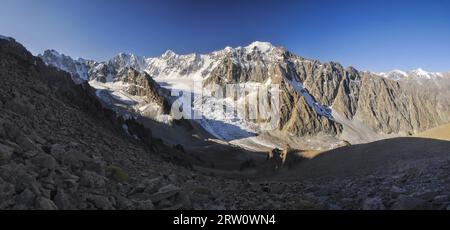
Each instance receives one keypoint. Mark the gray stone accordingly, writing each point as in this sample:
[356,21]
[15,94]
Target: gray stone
[7,190]
[410,203]
[441,199]
[70,184]
[427,195]
[62,200]
[395,190]
[145,205]
[374,203]
[45,204]
[25,143]
[125,204]
[30,154]
[44,160]
[26,197]
[78,159]
[152,185]
[182,201]
[165,205]
[165,192]
[100,202]
[57,150]
[92,180]
[20,207]
[95,166]
[146,187]
[5,152]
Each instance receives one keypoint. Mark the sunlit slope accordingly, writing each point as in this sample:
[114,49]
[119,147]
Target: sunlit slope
[441,132]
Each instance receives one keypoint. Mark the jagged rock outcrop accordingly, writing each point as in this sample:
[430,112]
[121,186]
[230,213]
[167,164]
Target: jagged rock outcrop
[389,106]
[61,149]
[78,69]
[142,85]
[276,66]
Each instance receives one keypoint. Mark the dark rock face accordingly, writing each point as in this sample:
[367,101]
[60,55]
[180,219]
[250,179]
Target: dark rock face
[57,141]
[296,116]
[395,107]
[384,105]
[141,84]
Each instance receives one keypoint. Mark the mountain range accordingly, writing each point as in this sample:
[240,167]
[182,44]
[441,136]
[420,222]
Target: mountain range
[82,134]
[325,101]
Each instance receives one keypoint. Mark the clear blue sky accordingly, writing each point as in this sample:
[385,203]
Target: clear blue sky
[376,35]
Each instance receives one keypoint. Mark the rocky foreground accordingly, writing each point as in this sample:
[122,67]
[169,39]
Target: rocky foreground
[59,149]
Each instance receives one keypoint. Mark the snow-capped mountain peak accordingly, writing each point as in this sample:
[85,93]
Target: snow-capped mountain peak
[399,72]
[123,60]
[395,75]
[5,38]
[419,70]
[418,74]
[168,54]
[54,53]
[261,46]
[258,62]
[422,74]
[77,68]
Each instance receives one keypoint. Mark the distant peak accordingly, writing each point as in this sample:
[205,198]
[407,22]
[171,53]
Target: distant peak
[125,55]
[395,74]
[169,53]
[6,38]
[397,71]
[53,52]
[419,71]
[228,49]
[262,46]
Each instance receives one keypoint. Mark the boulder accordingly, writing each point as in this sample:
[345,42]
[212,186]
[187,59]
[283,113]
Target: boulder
[43,203]
[405,202]
[44,160]
[165,192]
[62,200]
[373,203]
[92,180]
[441,199]
[26,197]
[100,202]
[145,205]
[5,152]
